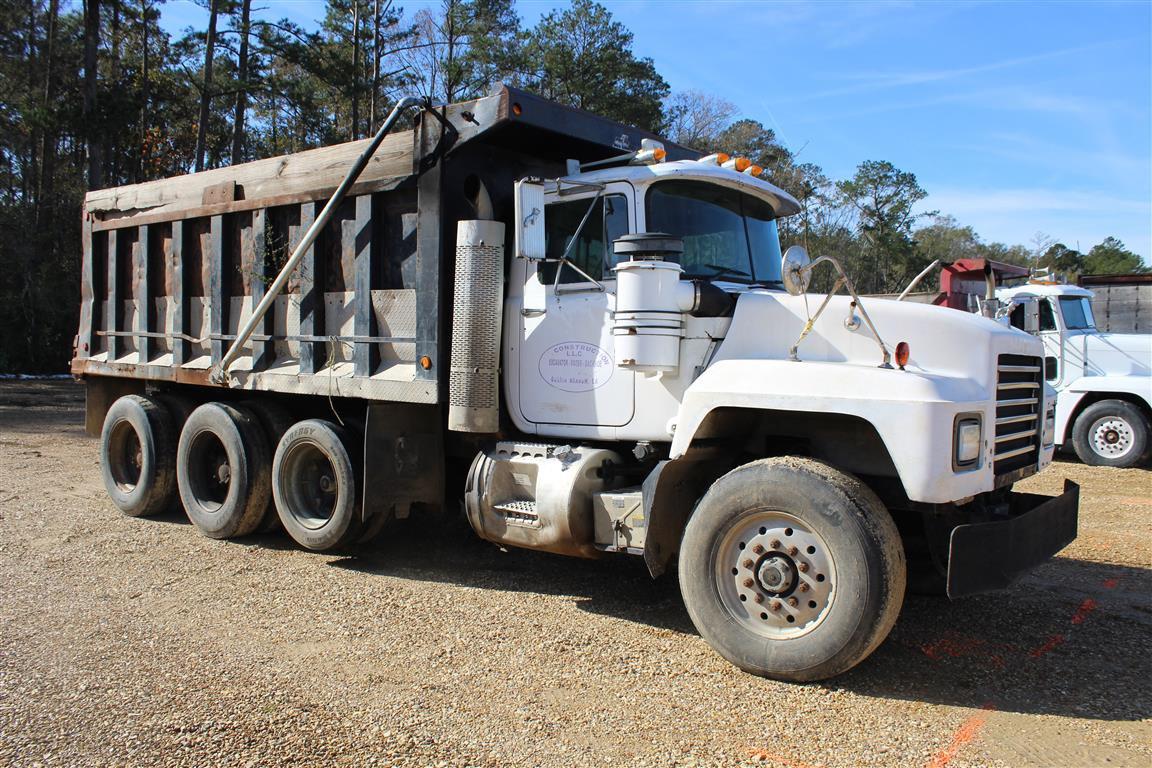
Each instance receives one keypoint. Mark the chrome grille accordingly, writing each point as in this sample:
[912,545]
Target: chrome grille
[1019,412]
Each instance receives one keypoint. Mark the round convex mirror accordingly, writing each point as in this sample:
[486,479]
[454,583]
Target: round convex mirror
[795,272]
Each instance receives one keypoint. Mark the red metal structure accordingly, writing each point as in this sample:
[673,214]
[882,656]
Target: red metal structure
[966,277]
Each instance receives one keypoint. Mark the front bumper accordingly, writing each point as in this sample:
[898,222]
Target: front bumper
[987,556]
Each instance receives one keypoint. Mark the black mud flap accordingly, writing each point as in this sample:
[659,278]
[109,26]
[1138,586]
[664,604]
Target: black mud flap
[988,556]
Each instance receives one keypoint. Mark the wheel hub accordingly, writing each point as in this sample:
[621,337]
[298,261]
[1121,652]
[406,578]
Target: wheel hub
[776,576]
[1112,437]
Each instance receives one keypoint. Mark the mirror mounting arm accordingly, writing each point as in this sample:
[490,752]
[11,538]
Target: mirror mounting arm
[847,282]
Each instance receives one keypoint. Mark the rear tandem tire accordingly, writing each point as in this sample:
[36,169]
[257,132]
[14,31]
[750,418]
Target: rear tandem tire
[791,569]
[138,456]
[314,482]
[224,471]
[276,420]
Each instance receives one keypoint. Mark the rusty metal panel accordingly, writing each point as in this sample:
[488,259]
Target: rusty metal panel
[179,294]
[145,311]
[112,313]
[215,262]
[311,294]
[365,355]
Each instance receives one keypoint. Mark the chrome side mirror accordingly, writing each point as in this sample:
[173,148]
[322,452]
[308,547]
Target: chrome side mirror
[795,272]
[529,212]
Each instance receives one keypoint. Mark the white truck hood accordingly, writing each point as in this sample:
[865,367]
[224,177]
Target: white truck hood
[942,341]
[1116,354]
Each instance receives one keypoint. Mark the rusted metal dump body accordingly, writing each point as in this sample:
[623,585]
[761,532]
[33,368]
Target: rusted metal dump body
[173,268]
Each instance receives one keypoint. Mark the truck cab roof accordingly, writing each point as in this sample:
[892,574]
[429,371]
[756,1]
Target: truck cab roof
[782,203]
[1043,289]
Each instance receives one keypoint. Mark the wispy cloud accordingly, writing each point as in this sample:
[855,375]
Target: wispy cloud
[864,82]
[964,202]
[1079,218]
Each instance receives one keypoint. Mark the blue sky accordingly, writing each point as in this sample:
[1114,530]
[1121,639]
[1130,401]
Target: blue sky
[1016,117]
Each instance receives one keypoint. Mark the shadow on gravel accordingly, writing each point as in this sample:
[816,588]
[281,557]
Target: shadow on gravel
[618,586]
[1074,639]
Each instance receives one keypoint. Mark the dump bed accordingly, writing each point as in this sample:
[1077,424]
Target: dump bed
[173,268]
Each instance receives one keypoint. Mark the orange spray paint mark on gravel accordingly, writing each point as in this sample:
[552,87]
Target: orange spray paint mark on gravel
[1050,644]
[1111,583]
[957,646]
[1082,612]
[965,734]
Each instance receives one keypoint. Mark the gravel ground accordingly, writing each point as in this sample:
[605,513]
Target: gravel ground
[138,642]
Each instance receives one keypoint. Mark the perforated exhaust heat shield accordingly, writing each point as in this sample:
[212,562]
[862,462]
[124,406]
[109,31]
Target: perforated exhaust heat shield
[478,306]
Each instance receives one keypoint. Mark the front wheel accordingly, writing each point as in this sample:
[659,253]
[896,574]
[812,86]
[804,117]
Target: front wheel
[791,569]
[1111,433]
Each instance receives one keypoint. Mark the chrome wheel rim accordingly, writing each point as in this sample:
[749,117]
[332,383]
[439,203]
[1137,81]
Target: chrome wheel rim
[1112,437]
[775,575]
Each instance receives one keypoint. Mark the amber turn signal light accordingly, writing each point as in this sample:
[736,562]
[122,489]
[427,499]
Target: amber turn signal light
[902,351]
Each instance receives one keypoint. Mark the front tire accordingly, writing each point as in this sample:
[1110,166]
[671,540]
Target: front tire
[1112,433]
[791,569]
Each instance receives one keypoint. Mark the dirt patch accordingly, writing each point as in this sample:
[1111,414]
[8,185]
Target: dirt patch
[138,642]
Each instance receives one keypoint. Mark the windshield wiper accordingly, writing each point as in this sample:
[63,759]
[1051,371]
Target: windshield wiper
[719,270]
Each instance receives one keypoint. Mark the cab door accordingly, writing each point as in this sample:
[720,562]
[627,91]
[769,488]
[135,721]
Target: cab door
[567,367]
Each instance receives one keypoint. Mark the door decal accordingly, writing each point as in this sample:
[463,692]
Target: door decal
[576,366]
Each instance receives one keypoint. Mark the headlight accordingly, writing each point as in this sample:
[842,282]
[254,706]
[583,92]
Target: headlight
[1050,426]
[968,439]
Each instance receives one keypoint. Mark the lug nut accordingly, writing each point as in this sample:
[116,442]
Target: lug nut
[747,563]
[749,583]
[793,602]
[776,605]
[775,543]
[803,567]
[804,587]
[758,549]
[792,551]
[758,597]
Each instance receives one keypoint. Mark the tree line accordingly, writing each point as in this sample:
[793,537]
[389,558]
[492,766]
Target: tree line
[96,94]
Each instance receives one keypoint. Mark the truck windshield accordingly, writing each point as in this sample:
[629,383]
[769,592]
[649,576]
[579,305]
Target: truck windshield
[1077,311]
[728,234]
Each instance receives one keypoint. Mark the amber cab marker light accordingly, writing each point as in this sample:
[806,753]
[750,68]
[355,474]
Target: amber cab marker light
[425,362]
[902,352]
[659,154]
[754,170]
[517,109]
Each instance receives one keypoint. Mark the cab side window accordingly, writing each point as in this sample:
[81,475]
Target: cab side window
[1047,318]
[592,251]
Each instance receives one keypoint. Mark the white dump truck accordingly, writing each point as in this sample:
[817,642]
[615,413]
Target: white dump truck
[588,337]
[1104,380]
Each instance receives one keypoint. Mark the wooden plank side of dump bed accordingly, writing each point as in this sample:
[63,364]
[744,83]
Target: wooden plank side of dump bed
[308,175]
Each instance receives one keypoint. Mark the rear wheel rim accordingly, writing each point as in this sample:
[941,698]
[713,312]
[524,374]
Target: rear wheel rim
[125,456]
[210,471]
[310,485]
[775,576]
[1112,437]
